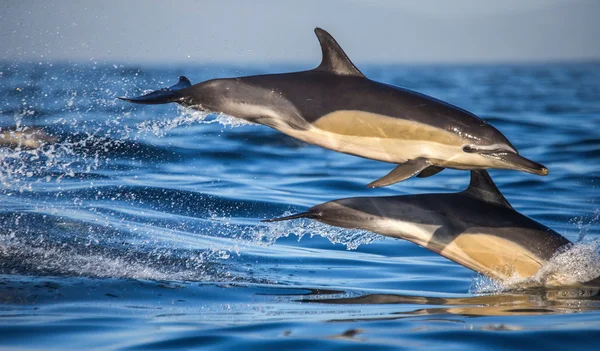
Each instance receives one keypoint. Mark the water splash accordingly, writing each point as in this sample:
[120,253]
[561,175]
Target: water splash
[268,233]
[84,151]
[571,265]
[84,115]
[187,116]
[21,168]
[584,224]
[18,257]
[56,246]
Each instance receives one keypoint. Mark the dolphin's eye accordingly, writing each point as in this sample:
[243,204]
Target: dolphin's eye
[469,149]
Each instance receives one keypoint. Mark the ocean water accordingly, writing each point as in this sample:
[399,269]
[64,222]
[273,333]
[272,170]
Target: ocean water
[138,227]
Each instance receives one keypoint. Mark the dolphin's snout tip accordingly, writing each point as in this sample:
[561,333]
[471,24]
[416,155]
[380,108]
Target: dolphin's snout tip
[521,163]
[542,170]
[527,165]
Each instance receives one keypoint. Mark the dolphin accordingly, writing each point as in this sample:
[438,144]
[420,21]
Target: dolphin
[476,228]
[336,107]
[25,137]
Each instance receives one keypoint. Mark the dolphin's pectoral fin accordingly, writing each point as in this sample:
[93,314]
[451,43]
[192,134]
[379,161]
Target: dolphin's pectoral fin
[334,59]
[162,96]
[430,171]
[401,172]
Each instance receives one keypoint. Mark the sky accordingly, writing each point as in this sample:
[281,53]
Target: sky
[271,31]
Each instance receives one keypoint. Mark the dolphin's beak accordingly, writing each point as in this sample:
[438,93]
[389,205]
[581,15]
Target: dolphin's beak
[517,162]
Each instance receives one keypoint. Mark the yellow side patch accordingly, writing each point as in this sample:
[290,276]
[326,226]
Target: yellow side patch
[373,125]
[492,255]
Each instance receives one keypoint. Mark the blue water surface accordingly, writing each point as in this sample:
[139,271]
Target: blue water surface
[137,227]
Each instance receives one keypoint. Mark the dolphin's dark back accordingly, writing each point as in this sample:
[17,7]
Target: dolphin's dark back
[316,93]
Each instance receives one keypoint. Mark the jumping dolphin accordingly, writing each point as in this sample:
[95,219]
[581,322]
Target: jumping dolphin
[476,228]
[336,107]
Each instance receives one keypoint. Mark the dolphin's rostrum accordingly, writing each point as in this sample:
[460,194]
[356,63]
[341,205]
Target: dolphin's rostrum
[336,107]
[476,228]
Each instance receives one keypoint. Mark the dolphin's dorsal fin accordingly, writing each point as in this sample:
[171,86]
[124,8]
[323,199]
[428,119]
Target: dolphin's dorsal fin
[335,59]
[483,188]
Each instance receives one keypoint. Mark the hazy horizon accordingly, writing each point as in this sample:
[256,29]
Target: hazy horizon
[265,31]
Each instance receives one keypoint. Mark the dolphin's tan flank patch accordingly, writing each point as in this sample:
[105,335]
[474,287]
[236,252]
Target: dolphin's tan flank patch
[492,255]
[367,124]
[388,139]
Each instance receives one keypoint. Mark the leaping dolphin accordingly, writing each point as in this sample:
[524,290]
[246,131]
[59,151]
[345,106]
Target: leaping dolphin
[336,107]
[477,227]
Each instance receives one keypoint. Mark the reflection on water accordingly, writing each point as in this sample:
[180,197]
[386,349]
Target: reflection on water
[531,303]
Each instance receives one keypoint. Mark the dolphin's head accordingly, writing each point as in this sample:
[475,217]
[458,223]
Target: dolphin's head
[491,144]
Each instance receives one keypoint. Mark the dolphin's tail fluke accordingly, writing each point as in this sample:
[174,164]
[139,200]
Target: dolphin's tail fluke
[162,96]
[294,216]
